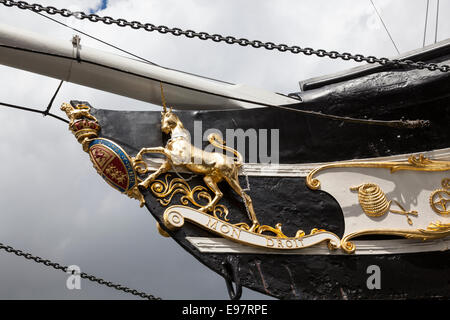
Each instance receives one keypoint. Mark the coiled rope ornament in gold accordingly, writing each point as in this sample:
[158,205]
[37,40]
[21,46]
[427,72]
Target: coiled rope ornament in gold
[372,199]
[374,203]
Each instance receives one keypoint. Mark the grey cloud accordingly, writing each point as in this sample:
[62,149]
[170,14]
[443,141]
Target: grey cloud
[53,203]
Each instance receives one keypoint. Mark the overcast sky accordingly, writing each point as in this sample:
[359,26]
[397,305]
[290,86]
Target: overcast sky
[53,203]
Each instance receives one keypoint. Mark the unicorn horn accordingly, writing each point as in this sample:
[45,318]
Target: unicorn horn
[163,98]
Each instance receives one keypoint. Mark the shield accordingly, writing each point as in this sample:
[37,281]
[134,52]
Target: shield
[113,164]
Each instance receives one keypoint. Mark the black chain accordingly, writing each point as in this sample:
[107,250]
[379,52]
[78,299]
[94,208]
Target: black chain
[83,275]
[227,39]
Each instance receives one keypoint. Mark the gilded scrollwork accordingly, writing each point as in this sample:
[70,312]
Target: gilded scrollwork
[435,230]
[166,189]
[414,163]
[277,231]
[199,196]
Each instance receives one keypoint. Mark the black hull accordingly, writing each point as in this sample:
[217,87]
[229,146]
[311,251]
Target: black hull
[403,276]
[287,199]
[303,138]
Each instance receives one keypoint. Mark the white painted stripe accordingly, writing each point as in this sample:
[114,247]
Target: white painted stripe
[363,247]
[303,169]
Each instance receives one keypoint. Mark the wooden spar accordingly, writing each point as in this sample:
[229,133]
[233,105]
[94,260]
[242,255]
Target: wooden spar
[61,59]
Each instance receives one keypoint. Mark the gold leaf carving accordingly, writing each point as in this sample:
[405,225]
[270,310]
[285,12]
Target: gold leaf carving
[165,190]
[434,230]
[440,198]
[419,163]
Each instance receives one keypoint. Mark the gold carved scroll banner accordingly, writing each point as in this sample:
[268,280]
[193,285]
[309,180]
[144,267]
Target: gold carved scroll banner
[175,217]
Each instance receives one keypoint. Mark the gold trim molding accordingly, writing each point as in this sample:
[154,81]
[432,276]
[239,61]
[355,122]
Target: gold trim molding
[414,163]
[434,230]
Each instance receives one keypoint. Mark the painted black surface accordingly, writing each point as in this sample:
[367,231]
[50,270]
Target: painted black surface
[418,275]
[286,200]
[289,201]
[436,53]
[412,94]
[302,138]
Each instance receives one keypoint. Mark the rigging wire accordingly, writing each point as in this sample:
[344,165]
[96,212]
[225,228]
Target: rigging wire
[33,110]
[95,38]
[389,123]
[426,22]
[410,124]
[385,27]
[437,20]
[47,111]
